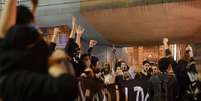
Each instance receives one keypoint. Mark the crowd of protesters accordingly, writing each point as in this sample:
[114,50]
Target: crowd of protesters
[31,69]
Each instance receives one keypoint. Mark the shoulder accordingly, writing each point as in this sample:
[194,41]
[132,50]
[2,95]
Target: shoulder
[27,77]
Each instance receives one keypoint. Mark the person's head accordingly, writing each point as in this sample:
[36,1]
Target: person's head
[155,70]
[24,15]
[106,68]
[28,46]
[85,60]
[127,76]
[60,59]
[119,71]
[164,64]
[88,73]
[107,65]
[95,62]
[186,55]
[118,64]
[168,53]
[124,66]
[146,66]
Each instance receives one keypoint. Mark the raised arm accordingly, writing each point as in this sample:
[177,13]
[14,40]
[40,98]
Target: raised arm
[55,34]
[80,30]
[165,43]
[166,47]
[168,55]
[52,44]
[71,45]
[34,7]
[113,59]
[8,17]
[72,34]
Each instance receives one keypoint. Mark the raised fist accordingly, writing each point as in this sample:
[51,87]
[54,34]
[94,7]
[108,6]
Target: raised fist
[114,49]
[165,40]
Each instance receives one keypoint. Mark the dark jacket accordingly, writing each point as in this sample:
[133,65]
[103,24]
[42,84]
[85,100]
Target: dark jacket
[24,85]
[141,76]
[72,50]
[165,87]
[24,70]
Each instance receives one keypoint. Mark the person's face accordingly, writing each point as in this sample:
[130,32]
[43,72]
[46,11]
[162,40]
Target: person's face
[155,69]
[76,54]
[106,66]
[107,70]
[123,66]
[146,67]
[119,70]
[87,61]
[98,65]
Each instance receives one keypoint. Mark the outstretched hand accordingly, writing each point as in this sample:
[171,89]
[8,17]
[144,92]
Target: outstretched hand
[74,21]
